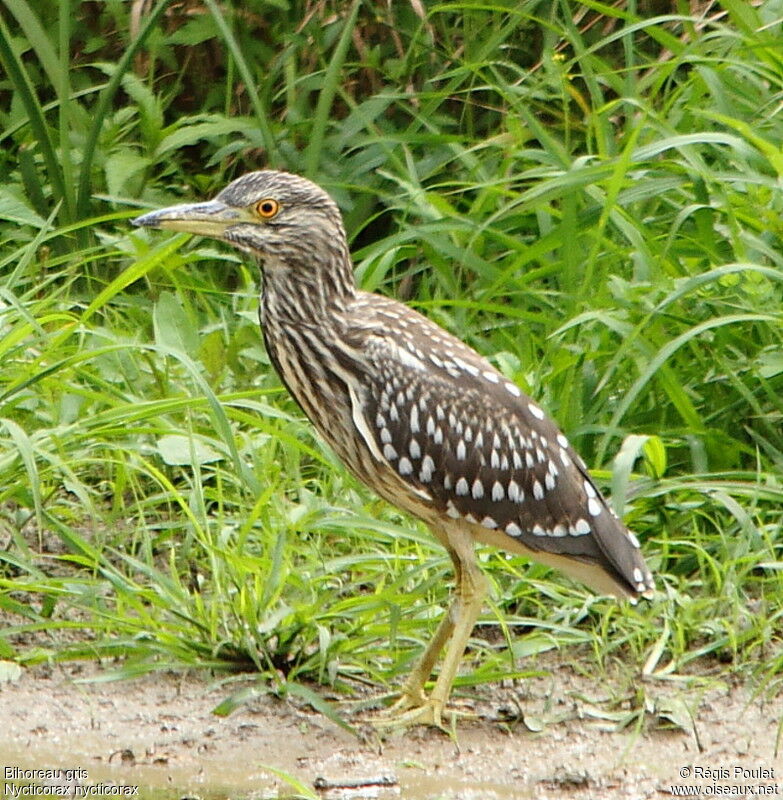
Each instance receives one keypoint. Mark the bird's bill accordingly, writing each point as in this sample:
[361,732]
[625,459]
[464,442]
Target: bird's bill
[206,219]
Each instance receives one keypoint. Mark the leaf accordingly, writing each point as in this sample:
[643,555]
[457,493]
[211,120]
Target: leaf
[238,699]
[173,328]
[194,31]
[631,449]
[15,209]
[319,704]
[178,450]
[188,132]
[770,364]
[10,672]
[303,791]
[149,106]
[673,711]
[120,167]
[655,453]
[6,651]
[212,354]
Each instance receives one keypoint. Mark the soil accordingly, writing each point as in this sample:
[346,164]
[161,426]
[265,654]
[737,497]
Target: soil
[159,732]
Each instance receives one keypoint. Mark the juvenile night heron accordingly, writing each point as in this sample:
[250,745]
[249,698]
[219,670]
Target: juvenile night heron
[416,414]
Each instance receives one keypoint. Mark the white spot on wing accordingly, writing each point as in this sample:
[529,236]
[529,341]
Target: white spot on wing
[594,507]
[461,487]
[414,421]
[478,489]
[389,452]
[512,529]
[409,359]
[538,490]
[465,367]
[581,527]
[405,467]
[414,449]
[497,491]
[491,376]
[360,422]
[513,389]
[536,411]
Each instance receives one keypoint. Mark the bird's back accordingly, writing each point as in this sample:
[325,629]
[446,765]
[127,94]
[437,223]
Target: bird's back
[444,435]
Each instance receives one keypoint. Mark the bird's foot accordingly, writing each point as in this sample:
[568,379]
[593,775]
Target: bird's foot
[409,711]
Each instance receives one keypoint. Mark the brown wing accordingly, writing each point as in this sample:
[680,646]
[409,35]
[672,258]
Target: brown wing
[454,428]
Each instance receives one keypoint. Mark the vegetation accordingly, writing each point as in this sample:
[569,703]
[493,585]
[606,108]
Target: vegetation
[587,193]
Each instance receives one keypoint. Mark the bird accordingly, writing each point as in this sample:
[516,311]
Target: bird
[416,414]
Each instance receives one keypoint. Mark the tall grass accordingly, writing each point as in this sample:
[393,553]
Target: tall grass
[589,195]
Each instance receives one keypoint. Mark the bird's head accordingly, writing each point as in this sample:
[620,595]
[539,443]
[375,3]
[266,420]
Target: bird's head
[284,220]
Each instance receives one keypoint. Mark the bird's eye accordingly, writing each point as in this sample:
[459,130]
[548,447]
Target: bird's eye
[267,208]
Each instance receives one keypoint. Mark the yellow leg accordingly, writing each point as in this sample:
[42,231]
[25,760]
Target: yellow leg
[472,589]
[414,707]
[413,690]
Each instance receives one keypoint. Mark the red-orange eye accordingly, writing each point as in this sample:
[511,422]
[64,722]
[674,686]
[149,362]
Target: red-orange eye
[267,208]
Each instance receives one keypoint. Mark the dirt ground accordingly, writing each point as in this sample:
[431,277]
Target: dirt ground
[159,732]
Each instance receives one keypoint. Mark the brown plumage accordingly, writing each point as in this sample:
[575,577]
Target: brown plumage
[415,413]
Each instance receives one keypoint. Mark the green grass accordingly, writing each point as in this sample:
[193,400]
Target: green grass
[589,195]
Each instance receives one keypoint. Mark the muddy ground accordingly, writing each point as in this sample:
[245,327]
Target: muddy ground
[159,732]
